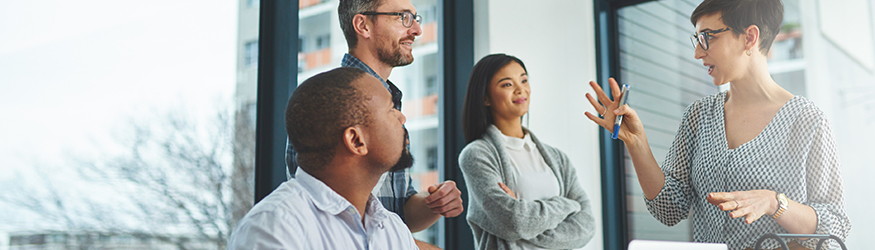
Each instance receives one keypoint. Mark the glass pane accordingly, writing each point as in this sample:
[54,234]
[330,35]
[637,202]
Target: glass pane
[786,60]
[653,42]
[656,59]
[118,124]
[321,48]
[421,82]
[245,103]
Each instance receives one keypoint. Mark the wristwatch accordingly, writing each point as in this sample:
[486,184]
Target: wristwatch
[783,203]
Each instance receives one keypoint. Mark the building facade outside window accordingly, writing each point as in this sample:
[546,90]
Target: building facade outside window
[322,46]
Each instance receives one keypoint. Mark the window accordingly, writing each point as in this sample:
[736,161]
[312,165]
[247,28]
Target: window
[323,41]
[418,81]
[787,58]
[652,44]
[251,54]
[120,153]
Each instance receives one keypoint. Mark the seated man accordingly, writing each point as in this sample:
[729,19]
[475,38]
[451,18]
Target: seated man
[347,134]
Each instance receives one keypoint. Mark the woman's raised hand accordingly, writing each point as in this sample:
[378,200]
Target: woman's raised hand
[631,128]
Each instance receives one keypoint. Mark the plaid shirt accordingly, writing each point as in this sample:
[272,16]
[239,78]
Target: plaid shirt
[398,185]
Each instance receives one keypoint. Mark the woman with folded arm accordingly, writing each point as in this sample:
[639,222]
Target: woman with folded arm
[523,194]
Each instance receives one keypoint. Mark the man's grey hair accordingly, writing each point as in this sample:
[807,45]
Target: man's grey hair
[347,10]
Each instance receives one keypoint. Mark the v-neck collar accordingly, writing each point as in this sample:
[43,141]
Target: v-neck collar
[768,129]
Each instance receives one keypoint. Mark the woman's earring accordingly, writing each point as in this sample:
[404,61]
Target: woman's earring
[748,52]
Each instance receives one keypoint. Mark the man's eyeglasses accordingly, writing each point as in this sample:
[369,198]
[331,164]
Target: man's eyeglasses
[407,17]
[702,38]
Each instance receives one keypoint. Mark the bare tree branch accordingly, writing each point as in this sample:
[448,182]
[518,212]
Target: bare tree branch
[180,176]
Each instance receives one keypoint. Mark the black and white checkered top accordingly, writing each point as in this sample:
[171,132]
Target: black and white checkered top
[795,154]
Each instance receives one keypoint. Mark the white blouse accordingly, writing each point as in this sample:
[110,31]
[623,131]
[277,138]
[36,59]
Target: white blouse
[535,180]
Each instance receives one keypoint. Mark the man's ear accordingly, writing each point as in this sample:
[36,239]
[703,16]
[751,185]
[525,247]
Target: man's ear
[354,141]
[751,36]
[362,25]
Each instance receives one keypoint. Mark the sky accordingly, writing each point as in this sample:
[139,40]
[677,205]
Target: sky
[73,73]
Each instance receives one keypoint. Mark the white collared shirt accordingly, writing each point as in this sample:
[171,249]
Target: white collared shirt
[304,213]
[535,179]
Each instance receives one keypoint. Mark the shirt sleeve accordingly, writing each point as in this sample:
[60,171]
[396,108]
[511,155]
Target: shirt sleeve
[497,212]
[672,204]
[824,185]
[266,230]
[399,192]
[405,196]
[410,190]
[578,228]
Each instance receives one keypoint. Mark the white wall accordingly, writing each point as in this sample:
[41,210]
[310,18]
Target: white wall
[556,41]
[841,82]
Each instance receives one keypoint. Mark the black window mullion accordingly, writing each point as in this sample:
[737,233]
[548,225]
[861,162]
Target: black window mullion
[614,218]
[277,78]
[458,51]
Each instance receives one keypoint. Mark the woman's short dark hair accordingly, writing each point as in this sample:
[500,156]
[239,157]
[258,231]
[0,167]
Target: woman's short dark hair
[767,15]
[476,116]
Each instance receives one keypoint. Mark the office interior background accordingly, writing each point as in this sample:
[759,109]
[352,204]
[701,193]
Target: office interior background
[134,125]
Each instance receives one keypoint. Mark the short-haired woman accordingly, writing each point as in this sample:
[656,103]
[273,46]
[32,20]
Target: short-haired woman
[746,162]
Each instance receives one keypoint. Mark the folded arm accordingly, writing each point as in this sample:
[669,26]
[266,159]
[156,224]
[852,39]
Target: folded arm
[500,214]
[578,228]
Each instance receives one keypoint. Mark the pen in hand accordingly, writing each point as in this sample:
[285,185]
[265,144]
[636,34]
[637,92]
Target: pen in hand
[619,120]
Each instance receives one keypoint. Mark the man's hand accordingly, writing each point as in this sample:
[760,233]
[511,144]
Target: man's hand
[445,199]
[424,209]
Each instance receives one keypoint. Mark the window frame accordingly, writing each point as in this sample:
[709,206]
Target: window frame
[615,222]
[277,79]
[277,46]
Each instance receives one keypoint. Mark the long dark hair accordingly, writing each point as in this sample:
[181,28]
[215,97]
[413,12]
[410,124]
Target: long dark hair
[476,116]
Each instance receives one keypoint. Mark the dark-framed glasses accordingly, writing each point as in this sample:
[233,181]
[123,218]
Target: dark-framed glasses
[703,37]
[407,17]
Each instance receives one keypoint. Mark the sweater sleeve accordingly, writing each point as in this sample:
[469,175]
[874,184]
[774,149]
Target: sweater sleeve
[578,228]
[824,185]
[498,213]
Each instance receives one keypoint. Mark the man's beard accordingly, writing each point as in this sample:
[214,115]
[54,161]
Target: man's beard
[406,159]
[395,57]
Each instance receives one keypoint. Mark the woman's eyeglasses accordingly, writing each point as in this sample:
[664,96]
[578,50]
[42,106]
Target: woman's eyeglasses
[702,38]
[407,17]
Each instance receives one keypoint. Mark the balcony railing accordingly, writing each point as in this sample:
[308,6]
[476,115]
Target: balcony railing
[316,58]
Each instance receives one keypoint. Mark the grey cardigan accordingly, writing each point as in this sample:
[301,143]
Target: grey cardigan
[499,221]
